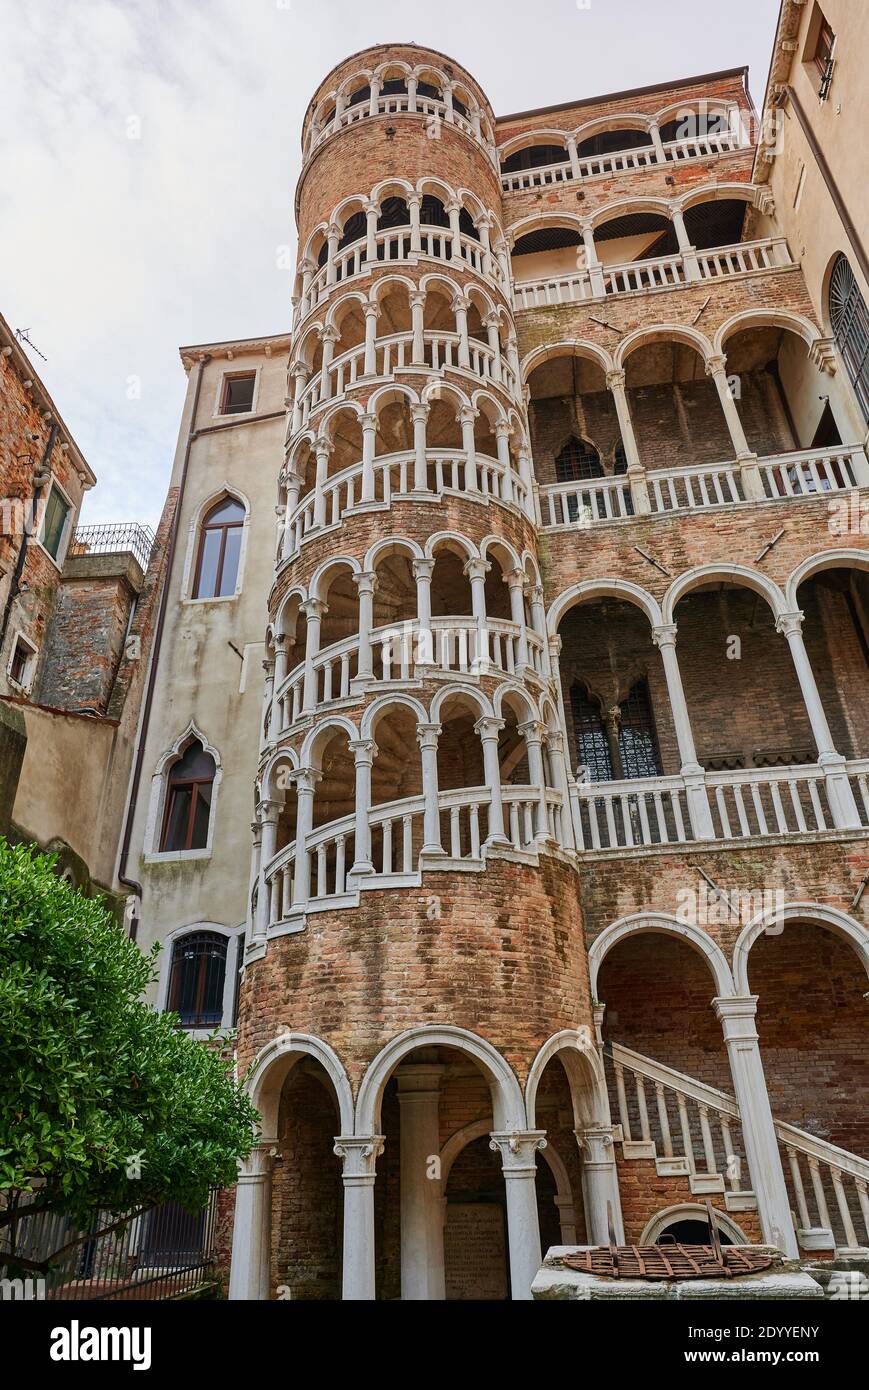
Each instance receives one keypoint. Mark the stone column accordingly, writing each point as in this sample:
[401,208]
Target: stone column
[636,473]
[279,678]
[686,250]
[372,314]
[595,273]
[427,737]
[366,584]
[573,156]
[448,103]
[839,792]
[600,1184]
[359,1155]
[454,209]
[249,1274]
[558,764]
[268,698]
[269,812]
[253,933]
[333,236]
[314,609]
[532,731]
[502,442]
[517,1152]
[476,571]
[299,373]
[294,487]
[305,779]
[716,367]
[412,83]
[488,730]
[484,227]
[515,581]
[538,623]
[664,638]
[372,213]
[466,417]
[660,152]
[375,94]
[417,312]
[364,752]
[419,415]
[414,203]
[422,573]
[369,441]
[460,309]
[309,270]
[422,1231]
[492,325]
[323,449]
[328,337]
[737,1017]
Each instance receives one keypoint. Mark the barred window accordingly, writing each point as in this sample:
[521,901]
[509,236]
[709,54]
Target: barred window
[592,748]
[638,740]
[577,461]
[849,318]
[197,978]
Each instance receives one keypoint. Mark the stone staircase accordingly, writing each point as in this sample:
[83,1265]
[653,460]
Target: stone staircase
[693,1130]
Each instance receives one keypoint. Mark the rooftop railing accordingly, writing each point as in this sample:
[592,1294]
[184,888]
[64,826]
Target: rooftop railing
[114,538]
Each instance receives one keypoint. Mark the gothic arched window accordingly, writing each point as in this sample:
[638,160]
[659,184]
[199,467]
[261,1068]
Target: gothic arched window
[849,318]
[197,978]
[219,550]
[638,742]
[578,461]
[188,800]
[592,746]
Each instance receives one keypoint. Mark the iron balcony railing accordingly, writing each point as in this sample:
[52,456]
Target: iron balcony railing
[113,539]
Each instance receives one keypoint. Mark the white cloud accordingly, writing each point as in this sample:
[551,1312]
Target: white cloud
[115,250]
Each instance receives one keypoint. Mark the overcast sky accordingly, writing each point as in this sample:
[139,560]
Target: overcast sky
[149,150]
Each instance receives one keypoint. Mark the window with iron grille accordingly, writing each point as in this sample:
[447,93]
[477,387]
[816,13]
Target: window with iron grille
[197,978]
[219,550]
[849,318]
[188,801]
[638,740]
[592,746]
[577,461]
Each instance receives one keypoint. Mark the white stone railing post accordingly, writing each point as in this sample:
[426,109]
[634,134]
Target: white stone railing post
[280,675]
[532,731]
[664,638]
[515,581]
[372,314]
[372,213]
[737,1017]
[517,1150]
[476,570]
[460,310]
[323,450]
[422,573]
[636,473]
[716,367]
[593,265]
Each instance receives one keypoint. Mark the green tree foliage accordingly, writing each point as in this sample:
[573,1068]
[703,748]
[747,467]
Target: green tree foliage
[94,1085]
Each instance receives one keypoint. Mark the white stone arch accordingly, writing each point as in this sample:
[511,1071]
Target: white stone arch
[474,206]
[477,1129]
[661,207]
[486,305]
[437,279]
[284,757]
[842,558]
[439,538]
[738,575]
[436,188]
[459,690]
[534,220]
[438,390]
[323,570]
[575,347]
[234,937]
[339,306]
[510,688]
[707,105]
[527,561]
[527,139]
[319,234]
[387,395]
[507,1107]
[157,799]
[312,747]
[331,413]
[666,925]
[847,928]
[362,77]
[382,285]
[299,592]
[188,578]
[662,332]
[720,192]
[493,542]
[307,346]
[766,318]
[273,1064]
[387,545]
[590,589]
[307,437]
[392,186]
[691,1211]
[486,403]
[616,120]
[588,1088]
[385,702]
[399,63]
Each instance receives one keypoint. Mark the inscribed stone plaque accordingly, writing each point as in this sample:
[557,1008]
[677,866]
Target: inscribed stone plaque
[475,1252]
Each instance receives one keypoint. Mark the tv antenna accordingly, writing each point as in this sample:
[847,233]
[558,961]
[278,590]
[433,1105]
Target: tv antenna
[23,336]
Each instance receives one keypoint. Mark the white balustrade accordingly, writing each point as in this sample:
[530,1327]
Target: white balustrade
[656,273]
[395,104]
[695,489]
[621,815]
[618,161]
[808,472]
[690,1128]
[758,802]
[585,503]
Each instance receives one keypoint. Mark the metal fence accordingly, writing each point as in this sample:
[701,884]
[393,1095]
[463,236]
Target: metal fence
[113,539]
[163,1253]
